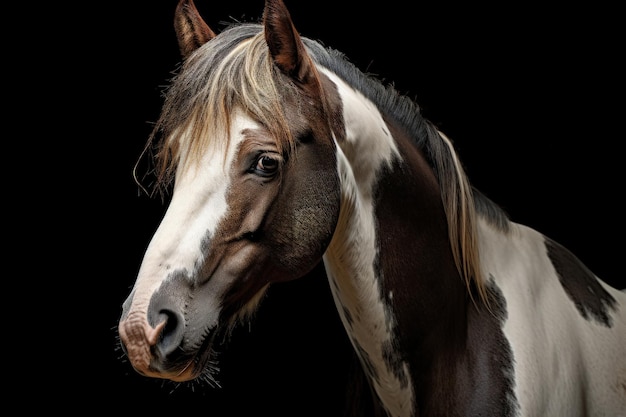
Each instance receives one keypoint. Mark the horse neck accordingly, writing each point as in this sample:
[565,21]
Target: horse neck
[389,263]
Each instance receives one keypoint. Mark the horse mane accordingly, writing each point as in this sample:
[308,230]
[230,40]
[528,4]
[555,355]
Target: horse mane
[235,71]
[462,202]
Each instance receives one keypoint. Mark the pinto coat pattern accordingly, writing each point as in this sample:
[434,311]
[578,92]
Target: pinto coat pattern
[282,155]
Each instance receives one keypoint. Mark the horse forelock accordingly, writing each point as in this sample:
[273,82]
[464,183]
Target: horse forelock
[232,71]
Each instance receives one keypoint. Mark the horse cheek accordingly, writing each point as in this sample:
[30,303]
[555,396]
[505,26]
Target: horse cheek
[311,207]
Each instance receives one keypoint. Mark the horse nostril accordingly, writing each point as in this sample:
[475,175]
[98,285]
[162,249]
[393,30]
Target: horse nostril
[172,333]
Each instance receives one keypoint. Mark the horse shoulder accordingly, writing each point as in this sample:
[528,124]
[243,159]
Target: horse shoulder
[562,322]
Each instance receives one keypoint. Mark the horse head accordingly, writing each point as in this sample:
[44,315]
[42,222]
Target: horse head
[248,128]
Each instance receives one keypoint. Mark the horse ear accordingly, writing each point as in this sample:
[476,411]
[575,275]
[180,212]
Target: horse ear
[284,42]
[191,31]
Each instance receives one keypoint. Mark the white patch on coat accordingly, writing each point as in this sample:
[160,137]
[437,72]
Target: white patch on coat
[197,206]
[558,355]
[351,255]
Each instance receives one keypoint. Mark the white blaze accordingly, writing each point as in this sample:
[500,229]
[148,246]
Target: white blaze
[197,206]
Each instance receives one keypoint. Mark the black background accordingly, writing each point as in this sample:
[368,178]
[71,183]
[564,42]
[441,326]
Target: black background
[532,97]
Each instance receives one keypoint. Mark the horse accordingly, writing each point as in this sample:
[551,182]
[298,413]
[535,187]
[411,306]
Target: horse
[282,156]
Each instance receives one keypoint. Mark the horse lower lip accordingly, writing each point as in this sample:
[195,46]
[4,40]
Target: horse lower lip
[187,374]
[195,364]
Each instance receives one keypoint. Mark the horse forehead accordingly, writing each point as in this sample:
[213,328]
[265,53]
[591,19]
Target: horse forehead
[216,157]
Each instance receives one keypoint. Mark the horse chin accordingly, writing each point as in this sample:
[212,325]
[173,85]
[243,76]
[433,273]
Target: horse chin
[199,359]
[201,364]
[189,373]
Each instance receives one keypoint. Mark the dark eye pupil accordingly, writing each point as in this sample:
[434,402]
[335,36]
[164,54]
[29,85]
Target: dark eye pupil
[267,163]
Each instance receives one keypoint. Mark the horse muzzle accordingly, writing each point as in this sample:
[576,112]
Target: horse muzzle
[155,351]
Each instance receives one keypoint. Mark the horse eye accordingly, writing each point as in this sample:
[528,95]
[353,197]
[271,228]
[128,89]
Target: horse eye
[266,165]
